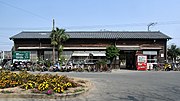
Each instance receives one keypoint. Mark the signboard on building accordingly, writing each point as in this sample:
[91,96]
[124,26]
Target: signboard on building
[21,55]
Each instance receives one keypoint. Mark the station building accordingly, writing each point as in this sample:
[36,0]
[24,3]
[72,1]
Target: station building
[88,47]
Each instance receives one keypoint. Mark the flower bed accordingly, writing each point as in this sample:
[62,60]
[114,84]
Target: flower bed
[38,84]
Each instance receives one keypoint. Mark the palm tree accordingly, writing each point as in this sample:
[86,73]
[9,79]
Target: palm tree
[173,52]
[58,37]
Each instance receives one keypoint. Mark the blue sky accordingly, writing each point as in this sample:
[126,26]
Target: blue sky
[113,15]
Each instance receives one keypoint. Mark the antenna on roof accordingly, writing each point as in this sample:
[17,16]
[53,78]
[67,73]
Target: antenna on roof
[151,24]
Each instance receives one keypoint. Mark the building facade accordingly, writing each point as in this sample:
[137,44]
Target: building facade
[87,47]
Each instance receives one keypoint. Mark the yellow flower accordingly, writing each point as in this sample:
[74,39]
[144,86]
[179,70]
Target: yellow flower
[62,89]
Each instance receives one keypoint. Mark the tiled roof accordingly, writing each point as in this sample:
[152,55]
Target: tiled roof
[95,35]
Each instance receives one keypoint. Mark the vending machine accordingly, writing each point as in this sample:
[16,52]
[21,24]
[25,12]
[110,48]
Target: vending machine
[141,63]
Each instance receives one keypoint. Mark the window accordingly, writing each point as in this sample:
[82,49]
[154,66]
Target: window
[33,56]
[151,56]
[48,55]
[87,57]
[151,59]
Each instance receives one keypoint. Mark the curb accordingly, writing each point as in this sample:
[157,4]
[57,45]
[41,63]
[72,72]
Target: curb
[45,96]
[42,96]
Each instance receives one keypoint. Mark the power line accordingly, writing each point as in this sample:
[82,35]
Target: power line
[92,26]
[1,36]
[103,26]
[168,23]
[123,25]
[5,34]
[25,28]
[78,27]
[5,44]
[26,11]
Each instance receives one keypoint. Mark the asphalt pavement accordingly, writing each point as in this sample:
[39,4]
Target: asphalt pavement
[124,85]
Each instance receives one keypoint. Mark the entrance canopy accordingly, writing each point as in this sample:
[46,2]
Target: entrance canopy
[87,48]
[150,48]
[123,47]
[32,48]
[88,53]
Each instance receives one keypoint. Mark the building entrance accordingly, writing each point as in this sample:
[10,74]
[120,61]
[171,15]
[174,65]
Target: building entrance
[128,60]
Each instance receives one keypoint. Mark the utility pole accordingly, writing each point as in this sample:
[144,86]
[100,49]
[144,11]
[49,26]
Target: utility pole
[151,24]
[53,24]
[53,45]
[1,52]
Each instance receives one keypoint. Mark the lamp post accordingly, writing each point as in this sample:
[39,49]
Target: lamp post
[151,24]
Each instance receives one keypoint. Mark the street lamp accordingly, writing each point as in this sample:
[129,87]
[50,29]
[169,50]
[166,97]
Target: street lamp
[151,24]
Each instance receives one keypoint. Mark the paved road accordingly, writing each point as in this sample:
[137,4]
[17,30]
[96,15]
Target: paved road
[126,86]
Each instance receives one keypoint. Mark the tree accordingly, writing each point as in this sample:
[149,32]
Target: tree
[173,52]
[58,37]
[111,52]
